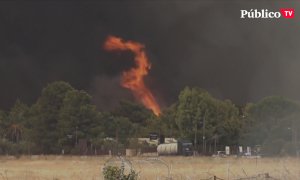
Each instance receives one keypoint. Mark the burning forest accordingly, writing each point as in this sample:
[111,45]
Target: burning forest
[103,80]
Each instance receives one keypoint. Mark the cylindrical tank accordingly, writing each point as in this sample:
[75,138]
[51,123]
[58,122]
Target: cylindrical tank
[167,149]
[131,152]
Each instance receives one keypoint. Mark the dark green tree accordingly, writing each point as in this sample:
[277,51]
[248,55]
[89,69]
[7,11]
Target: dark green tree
[200,115]
[3,124]
[141,118]
[272,122]
[77,117]
[136,113]
[17,121]
[45,115]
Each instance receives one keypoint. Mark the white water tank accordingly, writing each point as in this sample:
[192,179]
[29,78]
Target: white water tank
[167,149]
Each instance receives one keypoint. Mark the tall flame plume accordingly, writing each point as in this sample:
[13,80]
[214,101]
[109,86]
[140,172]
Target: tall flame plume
[133,79]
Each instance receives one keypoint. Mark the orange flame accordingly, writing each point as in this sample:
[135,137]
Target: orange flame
[133,79]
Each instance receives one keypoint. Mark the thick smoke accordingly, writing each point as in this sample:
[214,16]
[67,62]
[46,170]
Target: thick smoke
[192,43]
[108,92]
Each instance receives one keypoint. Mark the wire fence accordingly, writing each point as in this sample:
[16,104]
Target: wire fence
[166,169]
[213,178]
[264,176]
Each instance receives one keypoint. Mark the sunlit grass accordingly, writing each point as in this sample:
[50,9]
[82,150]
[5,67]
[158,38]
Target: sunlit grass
[76,167]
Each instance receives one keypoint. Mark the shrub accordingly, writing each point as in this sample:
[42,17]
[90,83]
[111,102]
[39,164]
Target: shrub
[116,173]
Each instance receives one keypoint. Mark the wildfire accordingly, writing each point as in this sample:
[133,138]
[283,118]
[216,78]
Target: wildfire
[133,79]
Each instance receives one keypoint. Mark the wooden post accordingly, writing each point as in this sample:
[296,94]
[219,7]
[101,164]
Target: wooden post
[267,175]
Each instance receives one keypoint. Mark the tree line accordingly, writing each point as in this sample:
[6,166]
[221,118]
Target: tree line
[62,115]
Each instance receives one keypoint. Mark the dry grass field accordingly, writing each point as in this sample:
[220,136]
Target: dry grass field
[85,168]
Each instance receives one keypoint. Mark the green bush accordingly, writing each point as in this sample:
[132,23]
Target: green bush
[116,173]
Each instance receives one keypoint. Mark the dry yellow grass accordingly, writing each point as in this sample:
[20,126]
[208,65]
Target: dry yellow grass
[85,168]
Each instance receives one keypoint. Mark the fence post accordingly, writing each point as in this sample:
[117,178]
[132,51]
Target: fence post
[267,175]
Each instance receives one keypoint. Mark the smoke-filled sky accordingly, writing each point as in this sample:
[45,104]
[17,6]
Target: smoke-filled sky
[189,43]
